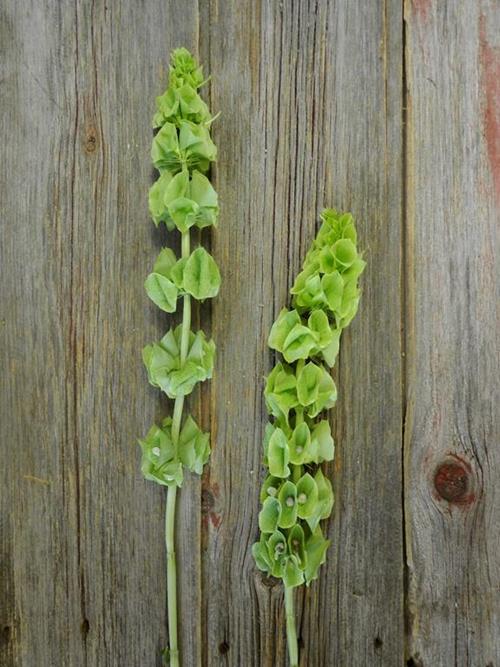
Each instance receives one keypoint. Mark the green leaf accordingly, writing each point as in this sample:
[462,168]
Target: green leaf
[201,277]
[269,515]
[288,500]
[194,448]
[277,454]
[307,496]
[316,547]
[292,575]
[161,291]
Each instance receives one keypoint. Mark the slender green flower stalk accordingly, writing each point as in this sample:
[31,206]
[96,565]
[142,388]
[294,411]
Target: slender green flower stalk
[296,496]
[182,197]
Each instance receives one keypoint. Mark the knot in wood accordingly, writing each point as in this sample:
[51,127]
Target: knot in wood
[451,480]
[90,140]
[207,501]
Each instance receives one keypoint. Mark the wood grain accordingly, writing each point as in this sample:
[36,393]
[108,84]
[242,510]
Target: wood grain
[452,328]
[299,132]
[323,103]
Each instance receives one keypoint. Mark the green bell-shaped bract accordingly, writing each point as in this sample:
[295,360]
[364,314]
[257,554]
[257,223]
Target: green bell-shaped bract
[278,455]
[325,500]
[182,201]
[159,286]
[307,496]
[178,104]
[269,515]
[287,497]
[159,462]
[316,389]
[278,552]
[299,444]
[197,275]
[292,573]
[261,556]
[190,147]
[270,487]
[297,545]
[193,446]
[297,340]
[281,391]
[162,361]
[316,546]
[322,445]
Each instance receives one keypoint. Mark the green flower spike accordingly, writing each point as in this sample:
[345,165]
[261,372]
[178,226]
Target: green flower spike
[296,496]
[182,197]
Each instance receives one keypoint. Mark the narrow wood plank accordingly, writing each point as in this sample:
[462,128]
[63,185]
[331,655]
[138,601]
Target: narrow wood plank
[41,609]
[311,100]
[361,591]
[121,65]
[453,520]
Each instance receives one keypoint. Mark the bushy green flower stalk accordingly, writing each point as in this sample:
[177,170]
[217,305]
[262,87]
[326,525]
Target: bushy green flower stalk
[181,198]
[296,495]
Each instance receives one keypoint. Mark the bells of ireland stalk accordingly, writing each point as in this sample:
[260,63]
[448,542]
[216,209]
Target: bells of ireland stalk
[181,198]
[296,495]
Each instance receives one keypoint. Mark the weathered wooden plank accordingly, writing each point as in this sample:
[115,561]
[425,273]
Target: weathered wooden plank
[83,544]
[311,95]
[453,525]
[41,610]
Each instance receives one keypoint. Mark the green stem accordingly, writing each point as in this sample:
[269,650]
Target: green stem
[291,632]
[296,473]
[172,490]
[171,576]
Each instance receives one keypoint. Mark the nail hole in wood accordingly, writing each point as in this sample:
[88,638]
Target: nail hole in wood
[377,642]
[223,648]
[6,634]
[84,628]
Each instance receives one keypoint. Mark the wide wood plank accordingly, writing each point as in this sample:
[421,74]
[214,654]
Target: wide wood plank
[452,456]
[82,531]
[311,101]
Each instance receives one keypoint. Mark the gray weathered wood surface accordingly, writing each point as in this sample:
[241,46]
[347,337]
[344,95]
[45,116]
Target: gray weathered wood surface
[392,112]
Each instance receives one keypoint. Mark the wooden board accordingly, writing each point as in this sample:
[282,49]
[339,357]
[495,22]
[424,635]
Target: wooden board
[323,103]
[452,460]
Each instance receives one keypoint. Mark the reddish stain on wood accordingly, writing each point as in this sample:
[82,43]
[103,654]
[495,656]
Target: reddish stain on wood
[453,481]
[422,8]
[490,80]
